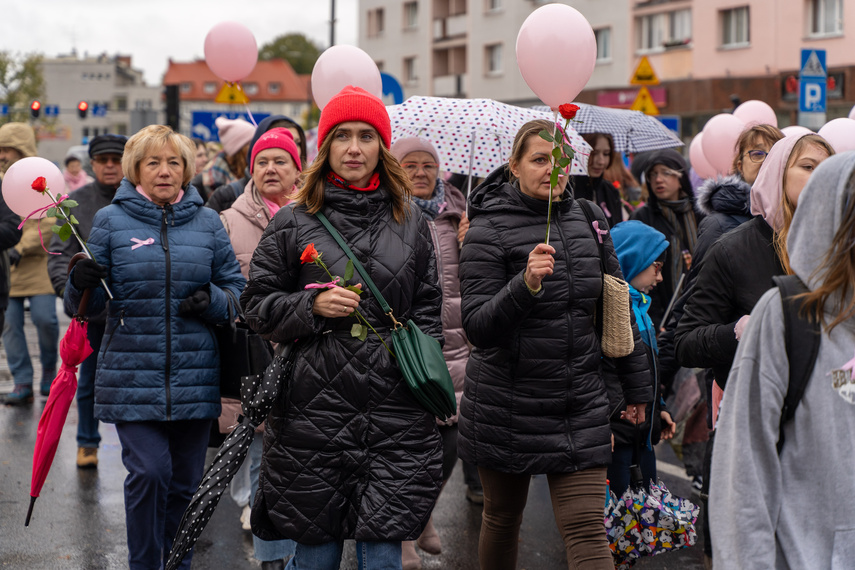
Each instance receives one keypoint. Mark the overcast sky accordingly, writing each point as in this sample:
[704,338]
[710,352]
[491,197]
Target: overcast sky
[152,31]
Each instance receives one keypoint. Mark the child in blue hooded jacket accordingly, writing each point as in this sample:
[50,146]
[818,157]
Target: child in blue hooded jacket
[638,247]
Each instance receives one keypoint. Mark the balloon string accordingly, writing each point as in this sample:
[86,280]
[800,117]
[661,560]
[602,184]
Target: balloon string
[246,106]
[39,211]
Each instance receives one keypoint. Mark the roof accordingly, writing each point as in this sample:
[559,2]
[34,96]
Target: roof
[271,80]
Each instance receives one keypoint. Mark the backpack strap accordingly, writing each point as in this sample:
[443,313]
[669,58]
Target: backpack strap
[802,337]
[591,217]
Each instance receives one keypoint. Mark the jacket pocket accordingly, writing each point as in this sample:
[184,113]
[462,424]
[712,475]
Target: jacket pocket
[841,552]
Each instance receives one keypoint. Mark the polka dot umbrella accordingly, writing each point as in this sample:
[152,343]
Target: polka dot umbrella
[258,393]
[473,136]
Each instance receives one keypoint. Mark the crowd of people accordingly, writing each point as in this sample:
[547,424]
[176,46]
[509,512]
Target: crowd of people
[347,452]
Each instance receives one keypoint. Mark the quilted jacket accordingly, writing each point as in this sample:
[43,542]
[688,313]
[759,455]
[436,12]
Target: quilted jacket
[348,453]
[534,400]
[153,364]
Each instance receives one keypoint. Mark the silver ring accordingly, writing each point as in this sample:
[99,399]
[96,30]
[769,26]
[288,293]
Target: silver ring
[343,308]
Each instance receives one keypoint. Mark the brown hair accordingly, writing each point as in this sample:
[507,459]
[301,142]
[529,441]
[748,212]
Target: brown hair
[788,209]
[392,177]
[528,130]
[765,133]
[617,172]
[237,162]
[592,138]
[836,271]
[155,137]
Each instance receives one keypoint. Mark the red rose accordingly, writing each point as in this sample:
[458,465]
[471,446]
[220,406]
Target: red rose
[40,184]
[616,184]
[310,254]
[568,110]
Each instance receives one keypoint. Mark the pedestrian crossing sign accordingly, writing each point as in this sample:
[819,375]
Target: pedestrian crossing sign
[644,74]
[231,94]
[644,102]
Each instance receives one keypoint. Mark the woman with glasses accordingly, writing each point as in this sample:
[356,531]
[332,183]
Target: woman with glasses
[670,209]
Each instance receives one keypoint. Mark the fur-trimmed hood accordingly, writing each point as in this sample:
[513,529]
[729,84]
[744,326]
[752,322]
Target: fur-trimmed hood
[724,195]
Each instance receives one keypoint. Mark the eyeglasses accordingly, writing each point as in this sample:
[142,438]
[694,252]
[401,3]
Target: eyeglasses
[757,155]
[430,168]
[657,267]
[106,159]
[665,173]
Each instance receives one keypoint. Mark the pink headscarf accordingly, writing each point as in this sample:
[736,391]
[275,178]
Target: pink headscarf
[768,189]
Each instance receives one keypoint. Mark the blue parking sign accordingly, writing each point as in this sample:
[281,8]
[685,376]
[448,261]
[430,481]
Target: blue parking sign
[813,78]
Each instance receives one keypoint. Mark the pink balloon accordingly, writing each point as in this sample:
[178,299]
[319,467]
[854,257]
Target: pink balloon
[756,113]
[840,134]
[340,66]
[18,185]
[719,142]
[796,131]
[231,51]
[699,162]
[556,53]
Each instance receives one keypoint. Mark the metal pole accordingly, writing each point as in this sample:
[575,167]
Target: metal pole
[332,23]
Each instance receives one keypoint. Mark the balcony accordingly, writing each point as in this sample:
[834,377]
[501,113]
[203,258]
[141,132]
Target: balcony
[450,27]
[449,86]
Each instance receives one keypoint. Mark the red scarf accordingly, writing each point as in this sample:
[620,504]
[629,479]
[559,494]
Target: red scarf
[373,182]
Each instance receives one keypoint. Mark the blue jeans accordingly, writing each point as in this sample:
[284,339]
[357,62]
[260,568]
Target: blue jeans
[87,425]
[369,555]
[43,314]
[618,472]
[264,549]
[165,463]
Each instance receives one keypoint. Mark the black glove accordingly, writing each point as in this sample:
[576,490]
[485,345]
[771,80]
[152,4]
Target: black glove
[195,304]
[14,257]
[87,274]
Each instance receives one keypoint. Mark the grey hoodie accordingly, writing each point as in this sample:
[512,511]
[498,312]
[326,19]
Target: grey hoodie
[796,510]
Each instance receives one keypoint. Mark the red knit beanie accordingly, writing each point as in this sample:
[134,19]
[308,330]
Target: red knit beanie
[355,104]
[277,138]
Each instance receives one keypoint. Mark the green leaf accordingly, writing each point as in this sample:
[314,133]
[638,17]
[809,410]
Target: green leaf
[553,178]
[64,232]
[51,212]
[55,229]
[58,196]
[563,162]
[544,134]
[72,219]
[348,271]
[364,334]
[355,289]
[568,150]
[356,330]
[70,203]
[556,153]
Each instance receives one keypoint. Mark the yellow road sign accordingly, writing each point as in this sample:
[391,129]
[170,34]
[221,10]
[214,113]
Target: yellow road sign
[232,94]
[644,102]
[644,74]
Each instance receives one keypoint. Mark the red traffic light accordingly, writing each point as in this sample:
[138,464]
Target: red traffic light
[83,106]
[35,105]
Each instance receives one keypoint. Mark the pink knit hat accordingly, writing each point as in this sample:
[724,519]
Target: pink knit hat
[405,146]
[234,134]
[277,138]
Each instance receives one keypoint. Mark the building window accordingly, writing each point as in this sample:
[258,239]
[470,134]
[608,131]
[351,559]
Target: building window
[121,103]
[210,87]
[680,27]
[85,132]
[826,17]
[604,44]
[735,27]
[376,22]
[494,5]
[251,88]
[411,15]
[274,87]
[651,32]
[379,65]
[410,70]
[494,59]
[122,129]
[186,87]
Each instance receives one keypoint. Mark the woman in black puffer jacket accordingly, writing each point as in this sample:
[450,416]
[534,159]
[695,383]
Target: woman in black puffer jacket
[348,452]
[534,400]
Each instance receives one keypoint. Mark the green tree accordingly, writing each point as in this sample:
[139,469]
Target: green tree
[297,49]
[21,81]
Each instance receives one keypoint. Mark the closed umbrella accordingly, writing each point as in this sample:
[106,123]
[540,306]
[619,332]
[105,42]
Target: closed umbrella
[258,393]
[73,349]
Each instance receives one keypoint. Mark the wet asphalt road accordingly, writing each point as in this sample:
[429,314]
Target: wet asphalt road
[78,522]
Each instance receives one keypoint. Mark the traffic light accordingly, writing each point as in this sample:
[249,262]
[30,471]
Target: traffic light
[82,109]
[172,106]
[35,109]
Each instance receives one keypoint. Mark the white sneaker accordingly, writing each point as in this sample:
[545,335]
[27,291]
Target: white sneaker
[244,518]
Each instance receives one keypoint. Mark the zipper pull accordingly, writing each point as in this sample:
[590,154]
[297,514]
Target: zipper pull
[122,318]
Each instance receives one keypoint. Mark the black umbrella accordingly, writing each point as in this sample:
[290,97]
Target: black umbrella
[258,393]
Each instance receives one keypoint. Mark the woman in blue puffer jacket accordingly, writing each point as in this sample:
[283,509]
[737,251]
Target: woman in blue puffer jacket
[169,265]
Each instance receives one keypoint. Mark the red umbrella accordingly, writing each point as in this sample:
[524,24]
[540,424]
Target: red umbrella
[73,349]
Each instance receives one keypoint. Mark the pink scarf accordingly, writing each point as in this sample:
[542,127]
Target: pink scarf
[177,198]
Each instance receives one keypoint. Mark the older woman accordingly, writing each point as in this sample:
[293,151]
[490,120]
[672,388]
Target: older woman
[348,453]
[275,168]
[168,263]
[534,401]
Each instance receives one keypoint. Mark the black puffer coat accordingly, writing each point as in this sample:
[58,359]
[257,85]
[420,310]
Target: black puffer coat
[348,453]
[601,193]
[534,400]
